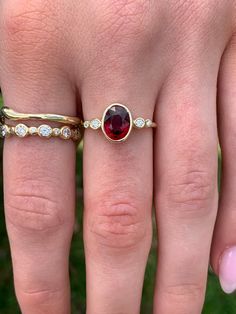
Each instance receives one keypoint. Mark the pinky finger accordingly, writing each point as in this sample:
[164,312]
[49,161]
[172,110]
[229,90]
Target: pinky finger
[224,242]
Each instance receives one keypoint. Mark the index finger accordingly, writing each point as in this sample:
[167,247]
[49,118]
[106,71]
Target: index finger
[39,174]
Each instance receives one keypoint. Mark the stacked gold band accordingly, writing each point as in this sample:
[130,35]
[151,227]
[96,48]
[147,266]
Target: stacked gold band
[116,124]
[45,131]
[69,131]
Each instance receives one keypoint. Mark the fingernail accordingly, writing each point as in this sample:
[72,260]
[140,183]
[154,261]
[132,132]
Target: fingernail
[227,270]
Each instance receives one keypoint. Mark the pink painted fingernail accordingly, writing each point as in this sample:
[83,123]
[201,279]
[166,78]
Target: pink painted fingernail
[227,270]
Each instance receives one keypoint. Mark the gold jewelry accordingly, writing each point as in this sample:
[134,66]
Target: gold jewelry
[45,131]
[10,114]
[117,123]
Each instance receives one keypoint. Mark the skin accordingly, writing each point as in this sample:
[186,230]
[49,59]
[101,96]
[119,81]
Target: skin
[164,60]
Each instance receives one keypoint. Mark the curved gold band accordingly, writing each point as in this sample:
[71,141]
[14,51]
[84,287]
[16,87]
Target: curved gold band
[45,131]
[10,114]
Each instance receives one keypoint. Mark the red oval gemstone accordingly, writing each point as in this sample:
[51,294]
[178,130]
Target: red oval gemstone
[116,122]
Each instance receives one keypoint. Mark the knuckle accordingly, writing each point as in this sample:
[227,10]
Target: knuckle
[37,297]
[27,28]
[32,206]
[184,293]
[118,225]
[191,192]
[198,11]
[200,19]
[125,21]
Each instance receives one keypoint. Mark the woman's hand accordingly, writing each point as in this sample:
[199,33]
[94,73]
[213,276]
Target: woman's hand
[164,59]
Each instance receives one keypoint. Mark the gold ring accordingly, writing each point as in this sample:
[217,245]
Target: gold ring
[117,123]
[45,131]
[10,114]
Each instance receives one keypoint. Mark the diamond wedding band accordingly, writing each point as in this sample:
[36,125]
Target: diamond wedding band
[70,130]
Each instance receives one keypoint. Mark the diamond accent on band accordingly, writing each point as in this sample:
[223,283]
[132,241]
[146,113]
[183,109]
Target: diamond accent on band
[21,130]
[66,133]
[139,123]
[95,124]
[33,130]
[56,131]
[86,124]
[76,135]
[45,130]
[148,123]
[3,131]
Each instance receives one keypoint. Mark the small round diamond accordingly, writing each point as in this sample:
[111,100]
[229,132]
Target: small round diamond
[148,123]
[76,135]
[56,131]
[21,130]
[45,130]
[66,132]
[139,123]
[3,131]
[86,124]
[95,124]
[33,130]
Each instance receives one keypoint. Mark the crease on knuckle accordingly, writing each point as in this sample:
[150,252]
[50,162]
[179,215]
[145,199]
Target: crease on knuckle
[184,291]
[197,12]
[31,206]
[118,225]
[200,20]
[37,296]
[126,19]
[27,31]
[191,193]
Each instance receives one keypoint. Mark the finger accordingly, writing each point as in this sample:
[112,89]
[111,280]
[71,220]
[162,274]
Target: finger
[185,187]
[224,242]
[118,177]
[117,221]
[39,174]
[117,193]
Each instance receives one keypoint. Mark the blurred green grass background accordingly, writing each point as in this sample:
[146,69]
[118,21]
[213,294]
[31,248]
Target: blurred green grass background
[216,301]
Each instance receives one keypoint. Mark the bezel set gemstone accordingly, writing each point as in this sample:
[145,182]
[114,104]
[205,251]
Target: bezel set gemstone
[4,131]
[86,124]
[56,132]
[33,130]
[21,130]
[148,123]
[66,133]
[139,123]
[45,131]
[76,135]
[117,123]
[95,124]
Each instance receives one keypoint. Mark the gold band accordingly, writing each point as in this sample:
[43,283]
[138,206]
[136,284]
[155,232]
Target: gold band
[138,123]
[10,114]
[45,131]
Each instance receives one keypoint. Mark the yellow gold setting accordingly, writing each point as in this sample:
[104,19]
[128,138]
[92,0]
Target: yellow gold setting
[137,123]
[44,131]
[131,123]
[10,114]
